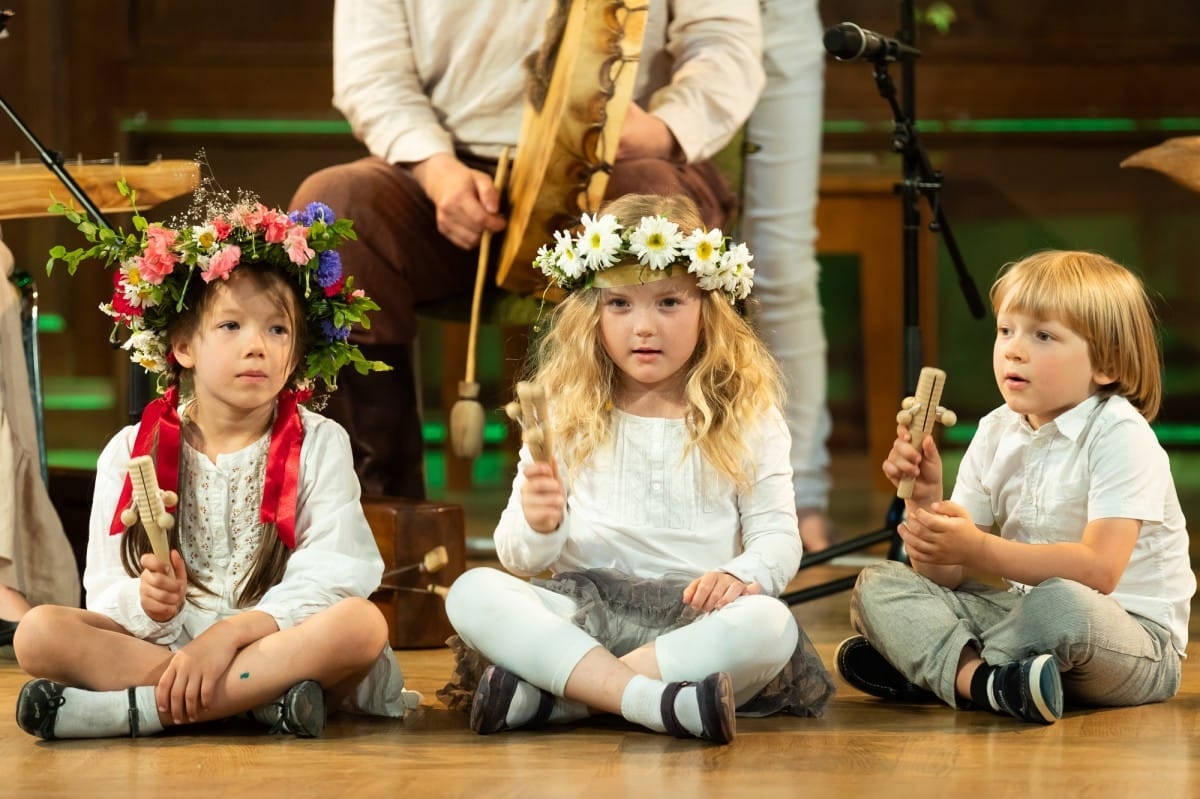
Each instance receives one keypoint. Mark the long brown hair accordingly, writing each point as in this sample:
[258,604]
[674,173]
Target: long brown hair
[271,554]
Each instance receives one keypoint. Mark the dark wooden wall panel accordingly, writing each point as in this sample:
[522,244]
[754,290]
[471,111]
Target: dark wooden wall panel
[79,71]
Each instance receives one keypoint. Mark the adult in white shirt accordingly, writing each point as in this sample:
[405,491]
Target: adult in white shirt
[435,91]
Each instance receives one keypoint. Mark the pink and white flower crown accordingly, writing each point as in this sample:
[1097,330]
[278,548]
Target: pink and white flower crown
[657,244]
[156,264]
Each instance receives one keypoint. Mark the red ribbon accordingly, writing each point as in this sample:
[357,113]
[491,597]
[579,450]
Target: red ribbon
[283,469]
[160,422]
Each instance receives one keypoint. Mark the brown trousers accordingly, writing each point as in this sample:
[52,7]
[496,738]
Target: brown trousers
[401,261]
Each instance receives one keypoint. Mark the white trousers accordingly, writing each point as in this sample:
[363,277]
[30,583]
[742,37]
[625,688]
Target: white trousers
[782,170]
[528,631]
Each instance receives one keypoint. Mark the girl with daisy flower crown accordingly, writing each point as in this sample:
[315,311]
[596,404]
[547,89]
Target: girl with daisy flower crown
[262,607]
[666,516]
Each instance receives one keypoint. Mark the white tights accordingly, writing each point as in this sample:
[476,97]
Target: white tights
[528,631]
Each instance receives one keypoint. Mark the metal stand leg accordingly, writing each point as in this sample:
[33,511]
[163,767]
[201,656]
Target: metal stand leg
[895,515]
[29,332]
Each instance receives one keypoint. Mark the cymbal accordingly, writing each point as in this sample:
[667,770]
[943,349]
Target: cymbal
[1178,159]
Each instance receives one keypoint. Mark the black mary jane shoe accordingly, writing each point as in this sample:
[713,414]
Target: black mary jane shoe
[714,694]
[301,711]
[37,707]
[493,695]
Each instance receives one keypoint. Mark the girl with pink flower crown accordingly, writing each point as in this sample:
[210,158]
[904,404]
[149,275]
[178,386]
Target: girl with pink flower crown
[665,515]
[262,608]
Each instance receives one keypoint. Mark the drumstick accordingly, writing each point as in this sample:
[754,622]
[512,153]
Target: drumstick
[432,562]
[466,416]
[919,412]
[150,507]
[530,411]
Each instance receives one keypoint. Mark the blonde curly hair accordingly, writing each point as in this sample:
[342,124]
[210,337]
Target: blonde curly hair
[732,378]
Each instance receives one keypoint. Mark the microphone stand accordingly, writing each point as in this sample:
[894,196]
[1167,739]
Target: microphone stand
[139,391]
[919,180]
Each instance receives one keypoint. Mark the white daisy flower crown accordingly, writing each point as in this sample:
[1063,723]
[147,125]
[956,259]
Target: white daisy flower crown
[656,244]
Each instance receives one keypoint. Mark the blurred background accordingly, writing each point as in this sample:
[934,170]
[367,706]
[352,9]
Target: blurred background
[1027,109]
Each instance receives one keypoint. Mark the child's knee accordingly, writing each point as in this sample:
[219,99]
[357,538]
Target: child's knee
[362,628]
[771,632]
[1057,611]
[39,635]
[471,591]
[878,584]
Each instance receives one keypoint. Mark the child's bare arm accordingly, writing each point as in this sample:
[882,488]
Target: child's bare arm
[1098,560]
[191,679]
[944,536]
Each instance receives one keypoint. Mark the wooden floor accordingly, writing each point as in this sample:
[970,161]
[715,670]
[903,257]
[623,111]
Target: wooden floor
[861,747]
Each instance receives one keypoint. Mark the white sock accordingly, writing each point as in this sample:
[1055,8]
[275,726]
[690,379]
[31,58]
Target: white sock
[642,704]
[991,691]
[528,697]
[105,714]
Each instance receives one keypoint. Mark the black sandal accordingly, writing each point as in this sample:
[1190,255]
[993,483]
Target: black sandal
[494,695]
[714,695]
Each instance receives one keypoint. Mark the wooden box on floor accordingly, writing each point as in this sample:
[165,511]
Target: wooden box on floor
[405,530]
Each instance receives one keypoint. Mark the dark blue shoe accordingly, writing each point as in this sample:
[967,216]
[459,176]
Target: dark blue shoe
[1030,689]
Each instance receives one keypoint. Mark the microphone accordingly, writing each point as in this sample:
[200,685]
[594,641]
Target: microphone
[849,42]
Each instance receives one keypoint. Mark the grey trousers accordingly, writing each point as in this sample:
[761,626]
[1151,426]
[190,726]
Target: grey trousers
[1107,656]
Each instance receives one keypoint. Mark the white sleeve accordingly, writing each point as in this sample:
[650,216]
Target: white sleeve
[1117,491]
[108,588]
[521,549]
[375,83]
[717,73]
[335,556]
[771,548]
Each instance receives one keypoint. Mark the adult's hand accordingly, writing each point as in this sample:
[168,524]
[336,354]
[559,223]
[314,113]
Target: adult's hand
[466,200]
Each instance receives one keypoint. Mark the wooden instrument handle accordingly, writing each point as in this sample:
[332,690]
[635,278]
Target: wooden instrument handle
[150,507]
[531,412]
[485,243]
[920,412]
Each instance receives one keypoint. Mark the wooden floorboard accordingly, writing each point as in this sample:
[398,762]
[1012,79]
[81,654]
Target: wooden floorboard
[861,747]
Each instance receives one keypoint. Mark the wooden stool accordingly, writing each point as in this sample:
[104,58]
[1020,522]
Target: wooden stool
[406,529]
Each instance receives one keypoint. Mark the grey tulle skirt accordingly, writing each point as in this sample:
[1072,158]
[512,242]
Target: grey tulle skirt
[623,613]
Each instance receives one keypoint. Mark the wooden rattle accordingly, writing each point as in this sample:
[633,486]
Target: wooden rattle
[919,412]
[150,505]
[529,410]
